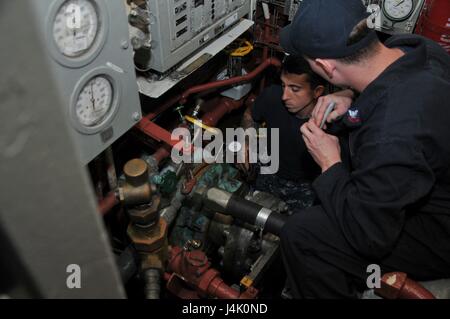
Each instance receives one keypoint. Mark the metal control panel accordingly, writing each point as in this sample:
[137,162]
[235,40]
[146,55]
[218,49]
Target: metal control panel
[178,28]
[92,61]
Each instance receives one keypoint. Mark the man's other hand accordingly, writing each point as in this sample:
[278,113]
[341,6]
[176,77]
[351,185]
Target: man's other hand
[324,148]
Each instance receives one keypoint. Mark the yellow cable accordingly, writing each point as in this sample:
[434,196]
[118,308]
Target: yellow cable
[244,50]
[199,123]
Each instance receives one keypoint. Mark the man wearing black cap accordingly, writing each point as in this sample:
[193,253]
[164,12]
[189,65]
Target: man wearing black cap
[393,208]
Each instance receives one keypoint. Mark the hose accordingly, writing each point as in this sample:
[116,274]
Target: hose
[246,211]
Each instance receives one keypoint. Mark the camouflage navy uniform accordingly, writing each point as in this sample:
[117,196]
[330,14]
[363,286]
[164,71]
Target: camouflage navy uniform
[297,195]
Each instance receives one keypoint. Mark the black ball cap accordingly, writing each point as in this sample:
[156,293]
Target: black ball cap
[321,29]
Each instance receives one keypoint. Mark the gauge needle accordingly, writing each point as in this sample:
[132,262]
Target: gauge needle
[399,3]
[74,21]
[92,96]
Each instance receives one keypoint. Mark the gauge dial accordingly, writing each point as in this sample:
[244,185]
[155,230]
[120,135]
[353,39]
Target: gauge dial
[398,10]
[94,102]
[75,27]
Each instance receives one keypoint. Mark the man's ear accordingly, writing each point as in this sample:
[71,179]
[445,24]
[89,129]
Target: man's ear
[318,91]
[327,66]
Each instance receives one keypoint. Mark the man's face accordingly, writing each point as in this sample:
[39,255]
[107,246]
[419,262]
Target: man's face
[297,94]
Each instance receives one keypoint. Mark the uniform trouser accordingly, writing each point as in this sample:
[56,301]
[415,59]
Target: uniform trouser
[320,263]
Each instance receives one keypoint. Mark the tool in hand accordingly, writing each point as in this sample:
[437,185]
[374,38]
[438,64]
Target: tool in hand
[329,109]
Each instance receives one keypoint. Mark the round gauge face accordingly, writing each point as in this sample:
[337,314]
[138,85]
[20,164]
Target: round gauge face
[398,10]
[94,102]
[75,27]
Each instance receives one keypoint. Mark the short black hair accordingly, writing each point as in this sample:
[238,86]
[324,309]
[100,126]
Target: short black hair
[298,65]
[359,32]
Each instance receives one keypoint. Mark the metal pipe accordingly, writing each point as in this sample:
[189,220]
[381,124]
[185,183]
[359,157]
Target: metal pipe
[128,264]
[160,134]
[152,279]
[170,213]
[163,107]
[108,203]
[110,168]
[183,98]
[231,81]
[211,119]
[225,106]
[195,270]
[161,154]
[157,132]
[221,290]
[397,285]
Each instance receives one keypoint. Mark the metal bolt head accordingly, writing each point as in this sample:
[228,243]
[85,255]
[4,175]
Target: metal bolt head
[125,45]
[136,116]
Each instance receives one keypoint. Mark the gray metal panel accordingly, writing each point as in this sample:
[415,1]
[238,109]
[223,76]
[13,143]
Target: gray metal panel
[47,209]
[115,54]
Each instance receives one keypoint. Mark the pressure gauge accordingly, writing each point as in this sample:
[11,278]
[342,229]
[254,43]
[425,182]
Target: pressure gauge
[75,27]
[398,10]
[95,101]
[77,30]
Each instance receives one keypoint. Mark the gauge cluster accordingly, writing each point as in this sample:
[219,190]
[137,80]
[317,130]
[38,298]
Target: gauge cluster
[397,16]
[92,60]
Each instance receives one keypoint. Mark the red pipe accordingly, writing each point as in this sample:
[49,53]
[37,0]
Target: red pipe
[211,119]
[397,285]
[195,270]
[161,153]
[157,132]
[218,84]
[152,115]
[222,291]
[108,203]
[225,106]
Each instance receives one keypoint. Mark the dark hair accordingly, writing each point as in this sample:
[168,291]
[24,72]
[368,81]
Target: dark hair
[359,32]
[298,65]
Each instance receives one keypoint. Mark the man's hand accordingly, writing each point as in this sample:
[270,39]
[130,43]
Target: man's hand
[343,102]
[324,148]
